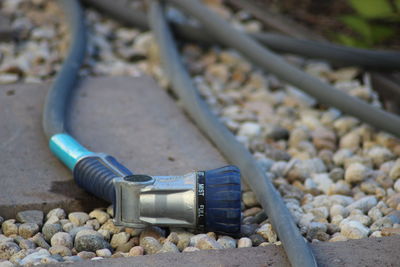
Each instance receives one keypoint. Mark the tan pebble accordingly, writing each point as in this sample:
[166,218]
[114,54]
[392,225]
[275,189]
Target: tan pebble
[105,253]
[190,249]
[86,254]
[252,211]
[9,227]
[119,239]
[27,230]
[207,243]
[100,215]
[173,238]
[78,218]
[127,246]
[136,251]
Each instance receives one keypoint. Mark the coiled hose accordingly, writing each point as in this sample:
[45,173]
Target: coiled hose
[343,55]
[274,64]
[58,96]
[298,251]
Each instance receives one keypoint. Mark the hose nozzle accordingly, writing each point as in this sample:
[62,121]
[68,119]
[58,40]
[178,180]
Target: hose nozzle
[206,200]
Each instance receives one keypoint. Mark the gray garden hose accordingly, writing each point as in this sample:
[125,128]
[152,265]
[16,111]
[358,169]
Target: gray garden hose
[298,251]
[58,96]
[274,64]
[343,55]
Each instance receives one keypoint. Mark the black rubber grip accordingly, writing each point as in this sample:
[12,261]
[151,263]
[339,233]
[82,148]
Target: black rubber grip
[95,174]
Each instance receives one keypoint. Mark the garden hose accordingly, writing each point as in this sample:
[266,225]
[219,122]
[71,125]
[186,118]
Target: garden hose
[58,96]
[339,54]
[298,251]
[272,63]
[205,200]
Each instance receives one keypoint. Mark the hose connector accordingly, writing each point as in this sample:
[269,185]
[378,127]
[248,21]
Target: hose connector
[205,200]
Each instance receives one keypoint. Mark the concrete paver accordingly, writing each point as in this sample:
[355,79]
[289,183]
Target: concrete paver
[355,253]
[130,118]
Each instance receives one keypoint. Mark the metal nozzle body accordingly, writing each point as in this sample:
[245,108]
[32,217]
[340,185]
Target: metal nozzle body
[162,200]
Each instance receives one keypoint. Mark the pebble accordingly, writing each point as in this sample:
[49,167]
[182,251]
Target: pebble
[244,242]
[190,249]
[68,227]
[49,230]
[90,243]
[394,200]
[379,155]
[136,251]
[86,255]
[150,245]
[390,231]
[153,231]
[337,209]
[105,253]
[249,199]
[338,237]
[194,239]
[62,239]
[71,259]
[128,245]
[323,181]
[256,239]
[9,227]
[227,242]
[105,233]
[355,173]
[100,215]
[173,237]
[83,230]
[119,239]
[31,216]
[207,243]
[52,220]
[26,244]
[168,247]
[396,185]
[364,204]
[267,233]
[57,212]
[317,230]
[94,224]
[39,240]
[27,230]
[249,129]
[17,257]
[184,240]
[395,171]
[60,250]
[336,174]
[35,258]
[111,227]
[78,218]
[7,249]
[353,229]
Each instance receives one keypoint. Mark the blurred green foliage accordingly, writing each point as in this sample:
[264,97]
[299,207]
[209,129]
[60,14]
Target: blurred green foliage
[374,22]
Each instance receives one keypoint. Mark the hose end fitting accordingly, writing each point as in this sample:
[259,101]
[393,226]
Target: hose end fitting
[205,200]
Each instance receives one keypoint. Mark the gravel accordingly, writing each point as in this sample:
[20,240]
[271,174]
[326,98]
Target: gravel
[339,178]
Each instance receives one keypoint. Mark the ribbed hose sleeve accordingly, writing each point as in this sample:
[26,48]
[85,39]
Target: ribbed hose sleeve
[57,98]
[274,64]
[298,251]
